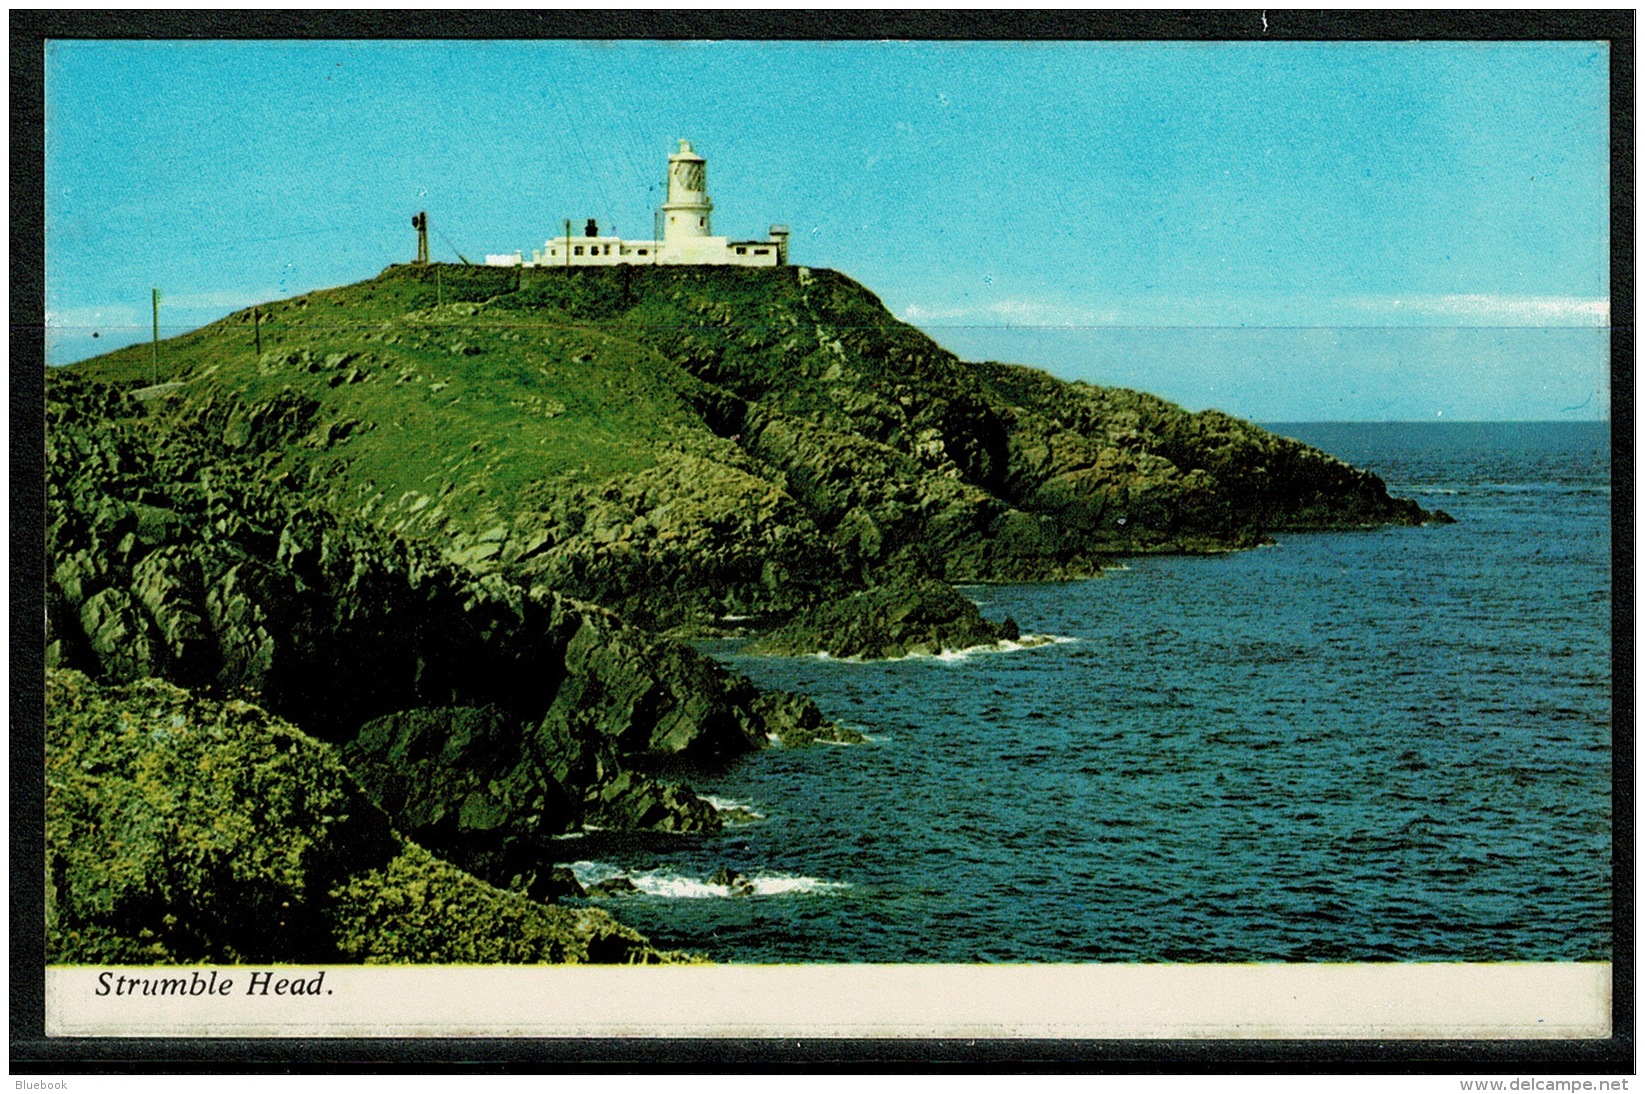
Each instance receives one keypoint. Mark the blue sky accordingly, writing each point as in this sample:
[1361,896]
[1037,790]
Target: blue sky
[1285,231]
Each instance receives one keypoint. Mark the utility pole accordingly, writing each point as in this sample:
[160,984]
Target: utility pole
[257,330]
[568,243]
[154,352]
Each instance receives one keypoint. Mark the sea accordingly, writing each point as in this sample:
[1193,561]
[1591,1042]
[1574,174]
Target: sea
[1383,745]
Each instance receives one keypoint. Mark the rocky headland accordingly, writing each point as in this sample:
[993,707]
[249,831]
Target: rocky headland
[918,616]
[450,537]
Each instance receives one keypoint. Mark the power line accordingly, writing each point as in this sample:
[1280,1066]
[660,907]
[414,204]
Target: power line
[582,147]
[452,245]
[624,124]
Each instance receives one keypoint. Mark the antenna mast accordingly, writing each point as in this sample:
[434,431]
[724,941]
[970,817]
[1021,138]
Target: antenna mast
[420,222]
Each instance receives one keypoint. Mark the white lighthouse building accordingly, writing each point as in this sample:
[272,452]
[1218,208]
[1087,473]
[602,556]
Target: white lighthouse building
[688,238]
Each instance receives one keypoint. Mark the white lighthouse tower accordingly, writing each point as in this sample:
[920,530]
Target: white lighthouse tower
[688,212]
[688,237]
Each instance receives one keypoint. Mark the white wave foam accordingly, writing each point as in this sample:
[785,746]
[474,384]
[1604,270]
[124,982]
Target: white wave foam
[784,885]
[676,886]
[588,872]
[723,804]
[670,885]
[673,886]
[1004,645]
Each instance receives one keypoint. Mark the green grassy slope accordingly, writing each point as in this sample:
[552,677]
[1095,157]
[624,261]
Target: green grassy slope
[685,444]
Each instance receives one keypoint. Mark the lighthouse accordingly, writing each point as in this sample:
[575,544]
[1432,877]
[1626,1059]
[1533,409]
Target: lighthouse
[688,237]
[688,212]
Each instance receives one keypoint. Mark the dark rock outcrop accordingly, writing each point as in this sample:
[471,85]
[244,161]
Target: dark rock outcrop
[802,723]
[893,620]
[1136,473]
[182,830]
[612,886]
[735,883]
[483,717]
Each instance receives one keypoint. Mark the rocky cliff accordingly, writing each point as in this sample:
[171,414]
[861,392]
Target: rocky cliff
[483,717]
[443,526]
[186,830]
[692,445]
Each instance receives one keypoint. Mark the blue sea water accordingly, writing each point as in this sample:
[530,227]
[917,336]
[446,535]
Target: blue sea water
[1380,745]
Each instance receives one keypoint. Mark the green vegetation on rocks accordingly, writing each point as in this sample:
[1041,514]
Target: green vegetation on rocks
[184,830]
[896,620]
[444,522]
[176,555]
[711,448]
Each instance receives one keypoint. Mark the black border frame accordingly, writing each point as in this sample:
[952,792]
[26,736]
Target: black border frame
[34,1053]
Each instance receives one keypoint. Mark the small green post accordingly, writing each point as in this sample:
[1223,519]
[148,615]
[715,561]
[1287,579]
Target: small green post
[154,353]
